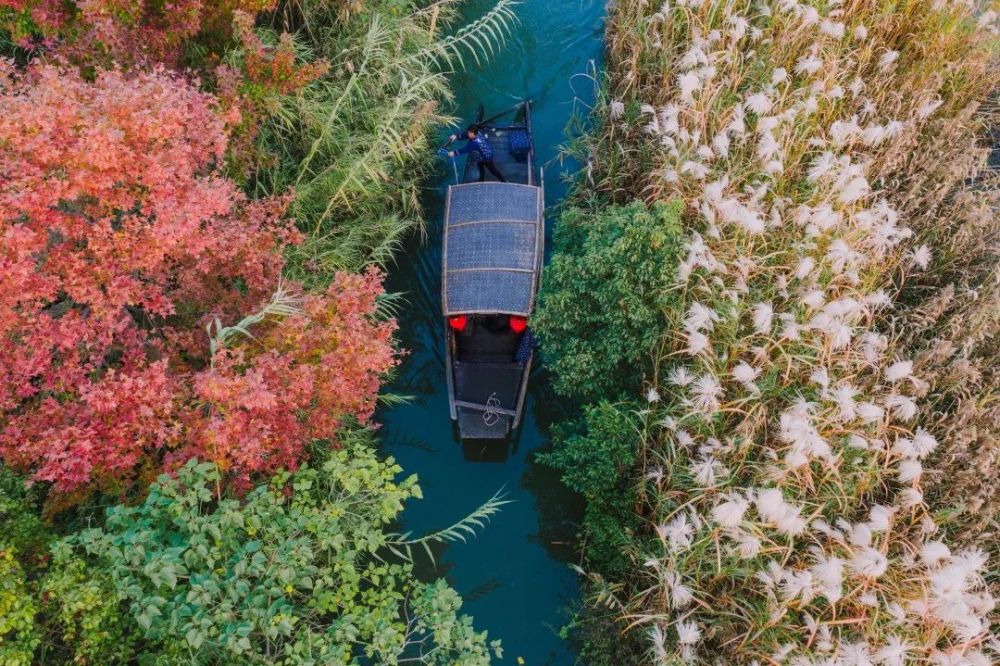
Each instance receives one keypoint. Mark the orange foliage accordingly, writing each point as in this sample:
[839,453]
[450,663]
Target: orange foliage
[119,241]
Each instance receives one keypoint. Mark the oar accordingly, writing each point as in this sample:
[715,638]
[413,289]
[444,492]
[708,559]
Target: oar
[504,112]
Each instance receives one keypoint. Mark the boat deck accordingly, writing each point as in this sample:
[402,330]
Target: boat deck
[485,346]
[515,168]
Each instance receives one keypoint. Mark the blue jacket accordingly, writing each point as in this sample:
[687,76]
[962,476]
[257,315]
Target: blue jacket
[480,145]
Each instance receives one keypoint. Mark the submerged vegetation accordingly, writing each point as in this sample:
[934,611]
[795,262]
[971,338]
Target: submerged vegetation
[808,475]
[195,203]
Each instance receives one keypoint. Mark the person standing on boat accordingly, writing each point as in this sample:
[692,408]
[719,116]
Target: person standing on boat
[479,144]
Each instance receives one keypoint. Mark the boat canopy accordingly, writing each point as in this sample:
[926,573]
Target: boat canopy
[492,248]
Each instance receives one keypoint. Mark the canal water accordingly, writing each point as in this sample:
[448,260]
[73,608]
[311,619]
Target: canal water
[514,576]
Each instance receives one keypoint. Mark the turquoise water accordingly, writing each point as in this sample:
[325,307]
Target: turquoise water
[514,575]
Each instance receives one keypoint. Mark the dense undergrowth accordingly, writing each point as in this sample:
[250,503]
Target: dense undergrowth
[798,465]
[195,203]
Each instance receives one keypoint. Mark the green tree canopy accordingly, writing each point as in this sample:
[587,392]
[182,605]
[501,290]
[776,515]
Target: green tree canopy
[602,309]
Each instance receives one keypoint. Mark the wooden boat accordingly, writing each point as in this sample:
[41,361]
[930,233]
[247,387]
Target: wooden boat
[492,259]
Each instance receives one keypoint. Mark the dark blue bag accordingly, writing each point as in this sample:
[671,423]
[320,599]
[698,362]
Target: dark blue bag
[520,142]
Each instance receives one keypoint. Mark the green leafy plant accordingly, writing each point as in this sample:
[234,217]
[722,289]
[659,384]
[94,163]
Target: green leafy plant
[596,454]
[293,573]
[18,634]
[606,297]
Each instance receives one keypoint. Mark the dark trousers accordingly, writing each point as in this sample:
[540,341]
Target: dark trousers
[483,166]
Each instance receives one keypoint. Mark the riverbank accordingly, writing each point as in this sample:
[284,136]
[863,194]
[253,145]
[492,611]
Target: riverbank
[776,193]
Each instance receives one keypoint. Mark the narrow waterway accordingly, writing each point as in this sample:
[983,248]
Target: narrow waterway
[514,574]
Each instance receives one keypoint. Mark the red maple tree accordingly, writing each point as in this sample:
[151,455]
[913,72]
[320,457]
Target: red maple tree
[120,240]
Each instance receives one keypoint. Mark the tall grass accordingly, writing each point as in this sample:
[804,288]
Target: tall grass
[354,145]
[837,332]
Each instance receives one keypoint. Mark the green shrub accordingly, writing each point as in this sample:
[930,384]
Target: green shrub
[602,309]
[82,614]
[290,574]
[596,455]
[18,634]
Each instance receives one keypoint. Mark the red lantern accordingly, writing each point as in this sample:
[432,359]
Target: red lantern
[518,324]
[458,322]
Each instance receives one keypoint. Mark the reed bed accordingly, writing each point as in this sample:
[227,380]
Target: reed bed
[816,436]
[354,145]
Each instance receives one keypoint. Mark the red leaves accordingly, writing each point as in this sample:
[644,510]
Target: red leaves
[120,241]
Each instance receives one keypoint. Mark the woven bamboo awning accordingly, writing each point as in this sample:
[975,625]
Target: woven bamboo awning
[492,248]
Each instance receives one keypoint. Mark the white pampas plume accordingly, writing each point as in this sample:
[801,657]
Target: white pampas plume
[927,109]
[697,170]
[706,392]
[861,32]
[924,443]
[763,318]
[821,166]
[705,471]
[843,395]
[873,135]
[832,28]
[870,412]
[855,189]
[903,407]
[820,376]
[879,517]
[933,553]
[798,430]
[894,653]
[688,633]
[697,343]
[805,267]
[921,257]
[868,562]
[856,441]
[689,83]
[659,640]
[829,571]
[680,594]
[748,545]
[700,317]
[910,470]
[617,109]
[677,533]
[729,513]
[843,132]
[720,142]
[899,371]
[679,376]
[887,59]
[815,299]
[910,498]
[789,327]
[773,508]
[745,373]
[739,27]
[759,103]
[808,65]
